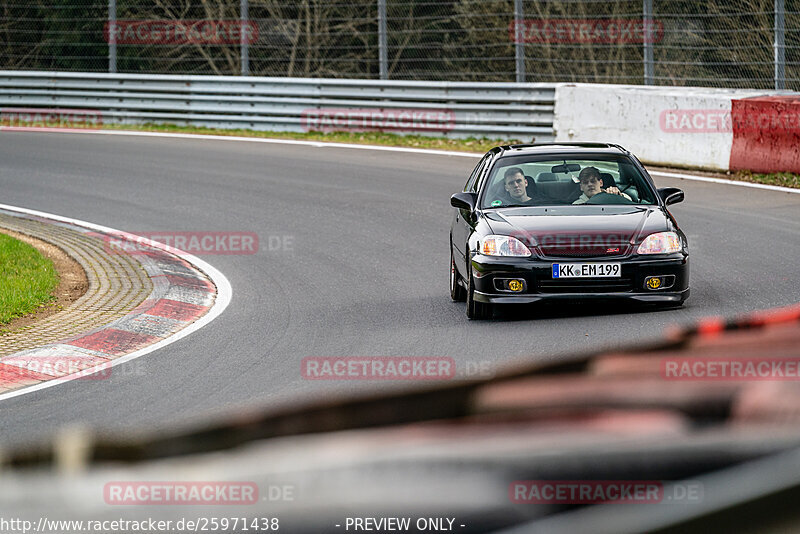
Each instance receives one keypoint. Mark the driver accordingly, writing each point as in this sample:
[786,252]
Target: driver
[592,184]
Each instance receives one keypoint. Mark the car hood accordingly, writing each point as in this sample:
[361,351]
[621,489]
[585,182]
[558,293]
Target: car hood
[581,230]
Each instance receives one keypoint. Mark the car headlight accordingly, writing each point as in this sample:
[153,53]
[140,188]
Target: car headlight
[501,245]
[660,243]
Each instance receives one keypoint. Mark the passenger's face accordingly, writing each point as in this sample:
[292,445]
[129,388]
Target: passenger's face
[515,185]
[591,185]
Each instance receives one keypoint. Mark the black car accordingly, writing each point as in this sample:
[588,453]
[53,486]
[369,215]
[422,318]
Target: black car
[565,221]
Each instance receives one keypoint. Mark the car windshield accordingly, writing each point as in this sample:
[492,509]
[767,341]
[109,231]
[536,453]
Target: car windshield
[546,181]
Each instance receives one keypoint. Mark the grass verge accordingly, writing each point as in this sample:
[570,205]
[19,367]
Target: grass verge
[479,146]
[783,179]
[27,279]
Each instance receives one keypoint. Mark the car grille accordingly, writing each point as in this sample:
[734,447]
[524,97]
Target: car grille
[586,285]
[585,251]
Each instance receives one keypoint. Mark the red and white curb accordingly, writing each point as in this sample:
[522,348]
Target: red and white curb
[187,294]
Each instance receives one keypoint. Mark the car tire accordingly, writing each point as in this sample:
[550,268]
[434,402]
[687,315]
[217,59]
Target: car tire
[475,309]
[457,291]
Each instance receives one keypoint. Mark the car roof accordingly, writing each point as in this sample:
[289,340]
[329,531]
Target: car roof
[562,148]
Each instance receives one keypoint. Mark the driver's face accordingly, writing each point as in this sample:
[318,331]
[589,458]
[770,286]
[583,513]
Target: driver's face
[516,184]
[591,185]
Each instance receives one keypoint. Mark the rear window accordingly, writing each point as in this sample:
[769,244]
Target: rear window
[544,181]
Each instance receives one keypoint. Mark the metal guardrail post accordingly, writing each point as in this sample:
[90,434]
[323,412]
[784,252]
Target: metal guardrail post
[779,45]
[647,20]
[244,18]
[383,54]
[519,46]
[112,36]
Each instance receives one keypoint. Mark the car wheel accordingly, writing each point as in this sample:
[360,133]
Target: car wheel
[475,309]
[457,291]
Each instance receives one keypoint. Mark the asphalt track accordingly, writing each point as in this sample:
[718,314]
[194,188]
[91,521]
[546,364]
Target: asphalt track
[365,273]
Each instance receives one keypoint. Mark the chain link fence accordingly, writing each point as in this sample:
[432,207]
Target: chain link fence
[713,43]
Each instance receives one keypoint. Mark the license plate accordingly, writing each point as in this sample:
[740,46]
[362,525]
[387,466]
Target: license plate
[586,270]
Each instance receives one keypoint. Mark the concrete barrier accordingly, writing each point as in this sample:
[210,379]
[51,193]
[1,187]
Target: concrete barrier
[717,129]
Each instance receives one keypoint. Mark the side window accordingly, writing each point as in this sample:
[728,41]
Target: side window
[633,184]
[472,183]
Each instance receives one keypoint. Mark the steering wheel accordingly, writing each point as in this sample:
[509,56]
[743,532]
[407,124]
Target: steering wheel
[608,198]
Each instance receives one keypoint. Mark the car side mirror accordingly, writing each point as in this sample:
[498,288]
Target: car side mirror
[671,195]
[464,201]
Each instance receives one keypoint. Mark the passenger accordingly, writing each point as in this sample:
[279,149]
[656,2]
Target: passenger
[516,185]
[592,184]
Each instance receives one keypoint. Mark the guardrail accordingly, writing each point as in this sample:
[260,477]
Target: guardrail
[454,109]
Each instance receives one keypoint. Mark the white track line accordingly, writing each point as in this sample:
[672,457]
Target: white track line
[318,144]
[323,144]
[224,295]
[723,181]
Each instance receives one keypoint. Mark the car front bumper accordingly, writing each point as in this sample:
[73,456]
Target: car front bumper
[489,272]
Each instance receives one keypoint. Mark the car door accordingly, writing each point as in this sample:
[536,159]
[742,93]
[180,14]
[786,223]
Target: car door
[464,222]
